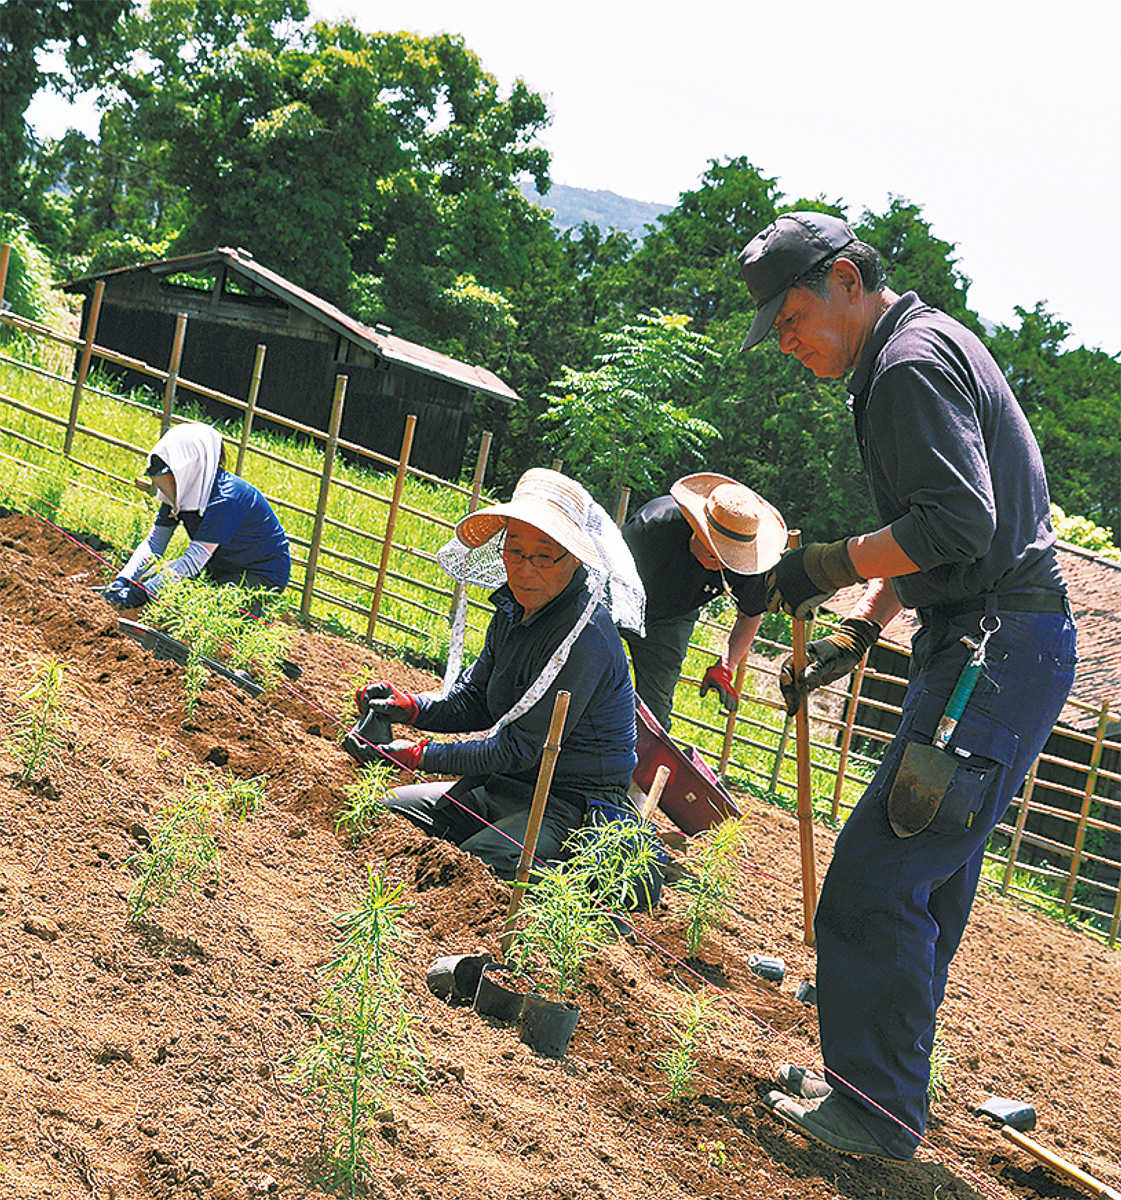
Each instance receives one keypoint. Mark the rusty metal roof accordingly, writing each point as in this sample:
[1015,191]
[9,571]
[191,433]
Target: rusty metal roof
[392,348]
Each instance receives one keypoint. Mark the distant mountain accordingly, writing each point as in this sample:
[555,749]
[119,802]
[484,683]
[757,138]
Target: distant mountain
[572,206]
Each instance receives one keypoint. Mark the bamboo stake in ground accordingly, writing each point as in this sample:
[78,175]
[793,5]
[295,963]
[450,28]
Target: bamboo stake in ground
[536,812]
[805,792]
[1094,1186]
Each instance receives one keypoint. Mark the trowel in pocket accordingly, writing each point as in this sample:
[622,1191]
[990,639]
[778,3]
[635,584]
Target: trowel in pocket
[925,771]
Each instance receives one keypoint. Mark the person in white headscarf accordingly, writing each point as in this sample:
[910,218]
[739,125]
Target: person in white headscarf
[235,536]
[561,571]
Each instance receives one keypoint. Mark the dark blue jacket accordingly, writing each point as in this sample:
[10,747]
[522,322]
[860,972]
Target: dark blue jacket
[598,741]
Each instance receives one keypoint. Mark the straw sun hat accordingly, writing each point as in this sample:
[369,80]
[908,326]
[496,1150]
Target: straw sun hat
[547,500]
[746,533]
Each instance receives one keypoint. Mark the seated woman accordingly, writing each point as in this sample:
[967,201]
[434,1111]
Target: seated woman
[235,536]
[562,560]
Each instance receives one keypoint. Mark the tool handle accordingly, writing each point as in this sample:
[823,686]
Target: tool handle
[1094,1186]
[963,689]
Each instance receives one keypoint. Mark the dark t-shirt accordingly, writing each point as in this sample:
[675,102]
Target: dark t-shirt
[676,584]
[951,460]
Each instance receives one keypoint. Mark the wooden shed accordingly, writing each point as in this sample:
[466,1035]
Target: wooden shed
[233,304]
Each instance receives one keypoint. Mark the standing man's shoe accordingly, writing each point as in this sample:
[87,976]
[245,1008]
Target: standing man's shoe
[835,1124]
[802,1081]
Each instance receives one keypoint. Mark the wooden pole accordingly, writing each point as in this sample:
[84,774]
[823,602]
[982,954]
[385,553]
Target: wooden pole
[536,813]
[624,504]
[730,719]
[476,492]
[324,491]
[846,737]
[5,255]
[251,407]
[1087,799]
[805,792]
[1017,837]
[84,364]
[391,522]
[656,789]
[1094,1186]
[173,371]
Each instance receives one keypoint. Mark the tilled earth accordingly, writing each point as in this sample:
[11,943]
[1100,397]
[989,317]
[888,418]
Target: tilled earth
[149,1060]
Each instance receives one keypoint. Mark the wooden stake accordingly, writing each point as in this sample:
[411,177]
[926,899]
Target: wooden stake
[173,371]
[656,789]
[83,364]
[329,451]
[1094,1186]
[251,407]
[805,792]
[391,523]
[536,812]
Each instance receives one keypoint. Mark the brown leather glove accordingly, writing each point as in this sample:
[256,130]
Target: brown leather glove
[828,659]
[806,577]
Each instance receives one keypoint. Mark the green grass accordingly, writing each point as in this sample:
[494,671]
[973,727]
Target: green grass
[95,495]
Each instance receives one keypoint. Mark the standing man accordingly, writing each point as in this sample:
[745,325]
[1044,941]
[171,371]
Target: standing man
[965,539]
[708,534]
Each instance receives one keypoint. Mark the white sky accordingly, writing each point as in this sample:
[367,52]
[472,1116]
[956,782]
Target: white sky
[999,118]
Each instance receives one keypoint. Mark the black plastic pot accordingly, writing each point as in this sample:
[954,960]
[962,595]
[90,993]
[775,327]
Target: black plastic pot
[456,977]
[495,997]
[547,1026]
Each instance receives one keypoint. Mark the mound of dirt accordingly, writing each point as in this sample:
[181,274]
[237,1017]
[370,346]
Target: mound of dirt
[146,1060]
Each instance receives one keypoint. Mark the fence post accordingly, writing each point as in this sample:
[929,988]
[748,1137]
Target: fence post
[5,255]
[730,722]
[84,364]
[846,736]
[391,522]
[251,408]
[173,371]
[624,503]
[324,488]
[476,492]
[1018,835]
[1091,784]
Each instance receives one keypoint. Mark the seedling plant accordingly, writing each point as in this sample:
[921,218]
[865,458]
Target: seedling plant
[183,849]
[711,878]
[365,802]
[366,1045]
[37,730]
[689,1026]
[219,621]
[561,926]
[614,860]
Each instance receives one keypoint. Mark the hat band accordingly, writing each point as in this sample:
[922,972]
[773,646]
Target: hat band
[728,533]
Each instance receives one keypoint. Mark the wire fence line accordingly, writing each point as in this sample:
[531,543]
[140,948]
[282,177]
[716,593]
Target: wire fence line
[1059,839]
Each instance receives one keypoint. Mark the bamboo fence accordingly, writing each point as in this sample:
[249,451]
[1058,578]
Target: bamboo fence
[747,748]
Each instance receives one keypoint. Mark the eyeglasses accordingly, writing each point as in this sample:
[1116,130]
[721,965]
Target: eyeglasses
[542,562]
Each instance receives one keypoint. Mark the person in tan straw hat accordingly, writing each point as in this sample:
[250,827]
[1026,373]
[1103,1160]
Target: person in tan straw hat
[709,534]
[562,577]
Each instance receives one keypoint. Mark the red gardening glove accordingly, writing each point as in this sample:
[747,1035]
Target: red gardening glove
[409,755]
[719,677]
[387,701]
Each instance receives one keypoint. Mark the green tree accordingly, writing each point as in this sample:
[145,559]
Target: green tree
[1073,401]
[620,417]
[88,36]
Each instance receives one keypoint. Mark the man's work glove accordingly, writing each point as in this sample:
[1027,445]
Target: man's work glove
[804,578]
[384,700]
[719,677]
[124,593]
[828,659]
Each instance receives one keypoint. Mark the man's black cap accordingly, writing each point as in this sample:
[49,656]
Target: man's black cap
[156,466]
[774,260]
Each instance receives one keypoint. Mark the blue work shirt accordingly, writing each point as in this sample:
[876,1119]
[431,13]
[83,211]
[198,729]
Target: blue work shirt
[241,521]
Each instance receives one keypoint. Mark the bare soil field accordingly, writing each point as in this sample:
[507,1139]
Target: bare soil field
[144,1061]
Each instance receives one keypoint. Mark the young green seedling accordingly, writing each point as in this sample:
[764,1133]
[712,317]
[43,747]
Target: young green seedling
[689,1027]
[366,1043]
[36,731]
[710,878]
